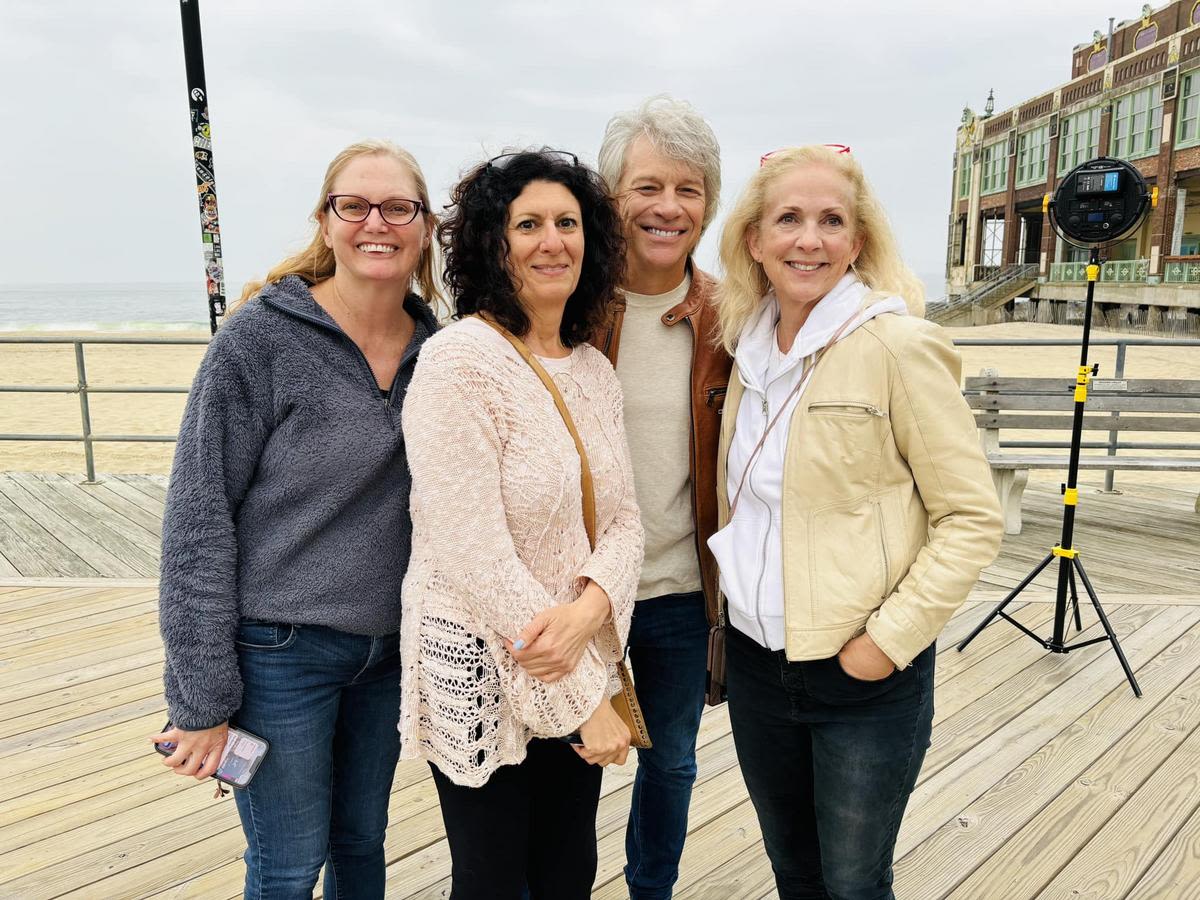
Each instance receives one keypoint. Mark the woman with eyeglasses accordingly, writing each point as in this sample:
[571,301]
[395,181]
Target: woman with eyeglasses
[856,512]
[287,533]
[505,592]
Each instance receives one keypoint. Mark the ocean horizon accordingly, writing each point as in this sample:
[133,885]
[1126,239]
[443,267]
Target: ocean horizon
[103,306]
[137,306]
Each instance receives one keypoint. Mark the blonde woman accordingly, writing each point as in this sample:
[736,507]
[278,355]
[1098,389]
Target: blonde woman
[856,512]
[287,532]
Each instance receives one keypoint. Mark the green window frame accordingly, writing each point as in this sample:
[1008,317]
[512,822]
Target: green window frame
[1137,124]
[1188,106]
[1032,149]
[964,173]
[995,167]
[1078,139]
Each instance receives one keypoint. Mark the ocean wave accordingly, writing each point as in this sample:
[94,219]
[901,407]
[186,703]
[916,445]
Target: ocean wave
[71,326]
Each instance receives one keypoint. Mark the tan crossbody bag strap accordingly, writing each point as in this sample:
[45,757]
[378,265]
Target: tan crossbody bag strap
[626,702]
[587,489]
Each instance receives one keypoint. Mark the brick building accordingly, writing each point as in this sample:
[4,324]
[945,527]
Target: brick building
[1134,93]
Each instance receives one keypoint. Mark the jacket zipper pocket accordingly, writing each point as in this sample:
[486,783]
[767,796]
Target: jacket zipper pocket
[715,396]
[887,565]
[845,408]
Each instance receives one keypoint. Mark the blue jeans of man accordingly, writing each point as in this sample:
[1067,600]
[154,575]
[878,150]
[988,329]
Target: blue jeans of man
[327,702]
[829,762]
[668,651]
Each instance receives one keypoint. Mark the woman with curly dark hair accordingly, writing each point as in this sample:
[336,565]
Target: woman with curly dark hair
[515,610]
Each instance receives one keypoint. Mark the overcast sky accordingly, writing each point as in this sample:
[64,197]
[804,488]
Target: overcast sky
[97,175]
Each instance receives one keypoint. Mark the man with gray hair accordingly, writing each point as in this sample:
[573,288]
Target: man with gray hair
[662,163]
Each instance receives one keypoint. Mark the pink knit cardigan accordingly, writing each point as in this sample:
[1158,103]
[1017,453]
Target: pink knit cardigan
[497,536]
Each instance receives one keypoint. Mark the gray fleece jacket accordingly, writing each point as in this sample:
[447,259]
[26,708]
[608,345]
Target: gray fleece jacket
[288,499]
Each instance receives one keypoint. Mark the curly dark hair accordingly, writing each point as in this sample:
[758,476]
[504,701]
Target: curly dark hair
[476,250]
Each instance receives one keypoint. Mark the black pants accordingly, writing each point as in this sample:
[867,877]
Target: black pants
[829,762]
[532,824]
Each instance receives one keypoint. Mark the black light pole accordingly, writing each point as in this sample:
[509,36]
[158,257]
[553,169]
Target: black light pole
[1096,203]
[206,186]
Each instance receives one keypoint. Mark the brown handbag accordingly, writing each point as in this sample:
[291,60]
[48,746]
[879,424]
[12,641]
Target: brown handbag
[624,702]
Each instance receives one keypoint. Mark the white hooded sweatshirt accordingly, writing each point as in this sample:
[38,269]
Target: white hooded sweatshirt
[749,549]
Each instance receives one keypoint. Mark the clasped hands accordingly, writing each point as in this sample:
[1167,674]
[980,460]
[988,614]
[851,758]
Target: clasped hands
[550,647]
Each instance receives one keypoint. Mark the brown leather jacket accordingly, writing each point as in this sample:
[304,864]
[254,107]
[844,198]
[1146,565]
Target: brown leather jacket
[710,378]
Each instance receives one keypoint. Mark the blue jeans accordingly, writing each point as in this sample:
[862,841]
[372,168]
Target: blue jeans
[668,650]
[328,703]
[829,762]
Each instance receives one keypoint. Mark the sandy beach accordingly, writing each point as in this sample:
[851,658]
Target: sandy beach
[156,365]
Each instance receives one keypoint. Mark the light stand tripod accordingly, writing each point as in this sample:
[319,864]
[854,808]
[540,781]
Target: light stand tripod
[1102,200]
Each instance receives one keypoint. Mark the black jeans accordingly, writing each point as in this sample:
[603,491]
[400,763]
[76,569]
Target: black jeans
[532,823]
[829,762]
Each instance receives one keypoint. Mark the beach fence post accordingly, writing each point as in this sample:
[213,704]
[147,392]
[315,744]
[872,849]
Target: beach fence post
[206,183]
[85,414]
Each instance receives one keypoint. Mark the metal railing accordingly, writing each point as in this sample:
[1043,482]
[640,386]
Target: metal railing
[1118,271]
[997,278]
[1179,271]
[81,387]
[88,437]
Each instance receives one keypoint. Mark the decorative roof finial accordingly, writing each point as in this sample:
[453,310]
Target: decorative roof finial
[990,106]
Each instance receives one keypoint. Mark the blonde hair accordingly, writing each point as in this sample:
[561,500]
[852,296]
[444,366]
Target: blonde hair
[878,265]
[316,261]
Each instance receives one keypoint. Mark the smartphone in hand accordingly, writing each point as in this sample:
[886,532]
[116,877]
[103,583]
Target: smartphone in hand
[243,754]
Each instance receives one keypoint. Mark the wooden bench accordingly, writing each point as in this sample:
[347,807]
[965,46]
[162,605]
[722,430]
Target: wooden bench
[1114,405]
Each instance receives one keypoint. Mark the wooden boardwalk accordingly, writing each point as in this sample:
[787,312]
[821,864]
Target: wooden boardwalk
[1046,778]
[1144,540]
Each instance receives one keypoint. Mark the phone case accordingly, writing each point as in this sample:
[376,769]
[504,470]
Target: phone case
[243,754]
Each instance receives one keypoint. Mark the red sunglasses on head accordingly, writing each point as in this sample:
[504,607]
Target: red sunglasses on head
[836,148]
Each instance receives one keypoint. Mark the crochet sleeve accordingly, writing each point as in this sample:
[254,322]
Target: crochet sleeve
[454,449]
[616,563]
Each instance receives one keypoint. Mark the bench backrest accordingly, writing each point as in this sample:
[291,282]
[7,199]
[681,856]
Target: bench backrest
[1031,403]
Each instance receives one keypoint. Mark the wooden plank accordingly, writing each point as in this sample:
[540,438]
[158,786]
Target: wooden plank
[127,492]
[1127,422]
[133,513]
[79,607]
[1011,459]
[747,876]
[15,638]
[102,561]
[8,583]
[1021,385]
[100,523]
[1175,875]
[7,569]
[153,486]
[983,761]
[1095,402]
[1020,831]
[31,549]
[144,684]
[1113,861]
[83,667]
[35,601]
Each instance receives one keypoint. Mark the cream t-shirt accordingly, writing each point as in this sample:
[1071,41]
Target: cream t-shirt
[654,366]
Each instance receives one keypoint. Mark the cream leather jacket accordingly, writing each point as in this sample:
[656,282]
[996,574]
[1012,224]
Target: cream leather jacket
[889,512]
